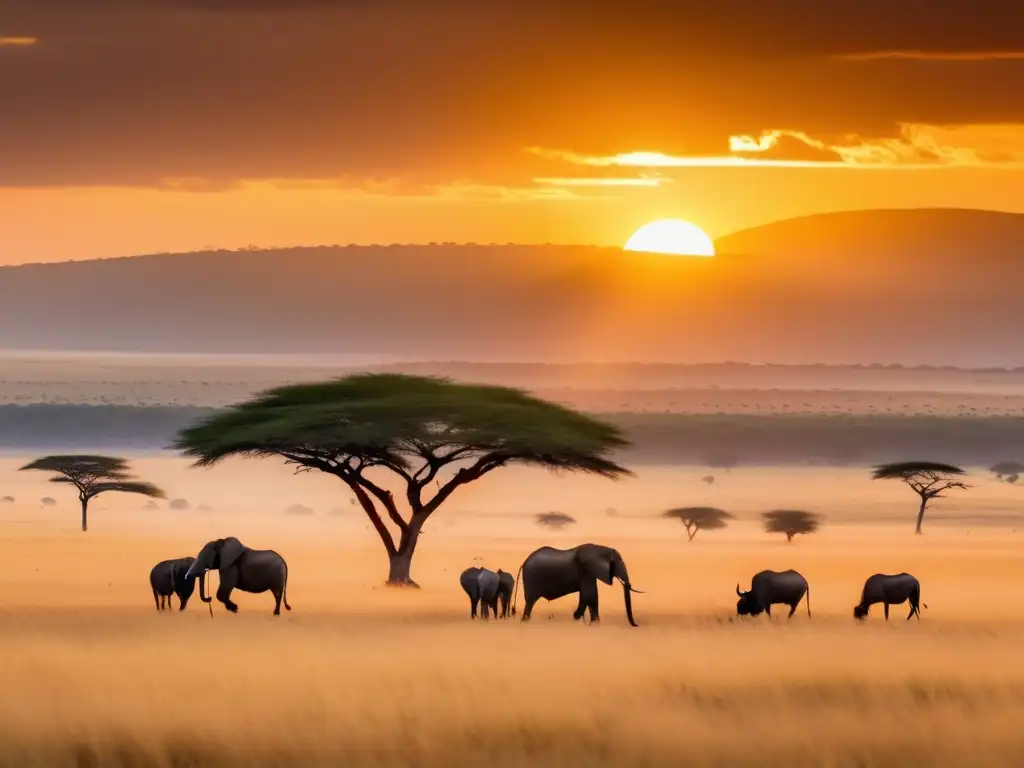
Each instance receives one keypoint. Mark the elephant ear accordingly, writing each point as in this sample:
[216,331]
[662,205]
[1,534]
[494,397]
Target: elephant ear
[230,552]
[598,563]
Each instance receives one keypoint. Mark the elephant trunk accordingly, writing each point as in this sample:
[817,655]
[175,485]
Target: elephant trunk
[202,588]
[629,603]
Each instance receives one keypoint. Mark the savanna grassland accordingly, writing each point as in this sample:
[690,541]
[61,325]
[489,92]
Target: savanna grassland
[359,674]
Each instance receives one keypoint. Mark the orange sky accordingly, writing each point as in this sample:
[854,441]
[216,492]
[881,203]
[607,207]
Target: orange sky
[160,125]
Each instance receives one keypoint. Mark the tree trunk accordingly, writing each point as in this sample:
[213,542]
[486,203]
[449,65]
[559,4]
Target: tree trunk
[691,532]
[85,514]
[920,515]
[789,537]
[400,563]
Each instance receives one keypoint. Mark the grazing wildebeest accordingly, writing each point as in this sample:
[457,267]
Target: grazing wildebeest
[769,588]
[890,589]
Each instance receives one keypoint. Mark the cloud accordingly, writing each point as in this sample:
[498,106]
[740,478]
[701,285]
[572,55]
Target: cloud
[915,147]
[17,41]
[395,189]
[954,56]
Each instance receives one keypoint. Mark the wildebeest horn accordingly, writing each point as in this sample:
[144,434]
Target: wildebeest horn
[738,593]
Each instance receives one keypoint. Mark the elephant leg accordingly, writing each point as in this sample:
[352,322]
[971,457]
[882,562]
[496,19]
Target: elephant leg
[528,608]
[768,610]
[792,610]
[278,594]
[156,599]
[228,580]
[588,597]
[472,607]
[886,608]
[484,609]
[183,599]
[913,610]
[581,608]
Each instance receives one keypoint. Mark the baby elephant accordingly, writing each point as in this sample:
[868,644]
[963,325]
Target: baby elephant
[170,577]
[890,589]
[485,587]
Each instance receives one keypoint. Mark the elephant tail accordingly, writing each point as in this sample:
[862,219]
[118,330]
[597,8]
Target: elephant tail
[808,601]
[515,591]
[284,590]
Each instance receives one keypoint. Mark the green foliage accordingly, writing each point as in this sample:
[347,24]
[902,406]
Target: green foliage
[93,475]
[417,428]
[397,421]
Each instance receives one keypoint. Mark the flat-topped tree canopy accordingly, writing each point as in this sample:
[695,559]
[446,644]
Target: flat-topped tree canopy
[791,522]
[554,519]
[928,479]
[699,518]
[903,470]
[415,427]
[93,475]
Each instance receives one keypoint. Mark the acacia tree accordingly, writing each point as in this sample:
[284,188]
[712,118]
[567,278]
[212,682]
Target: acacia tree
[791,522]
[699,519]
[928,479]
[93,475]
[430,436]
[555,520]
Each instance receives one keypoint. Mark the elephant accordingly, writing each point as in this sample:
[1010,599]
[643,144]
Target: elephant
[170,577]
[553,573]
[250,570]
[485,587]
[506,583]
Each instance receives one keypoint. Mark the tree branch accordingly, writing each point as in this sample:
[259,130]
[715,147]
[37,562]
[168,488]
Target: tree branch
[482,466]
[386,498]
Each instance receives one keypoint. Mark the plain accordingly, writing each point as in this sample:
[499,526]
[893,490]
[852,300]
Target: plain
[363,675]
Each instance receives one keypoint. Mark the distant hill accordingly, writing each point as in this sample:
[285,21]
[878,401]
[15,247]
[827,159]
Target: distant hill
[916,286]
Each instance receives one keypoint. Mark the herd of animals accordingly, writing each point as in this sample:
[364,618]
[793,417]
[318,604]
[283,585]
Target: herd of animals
[547,573]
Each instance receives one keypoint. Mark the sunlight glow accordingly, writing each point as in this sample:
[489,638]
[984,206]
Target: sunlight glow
[673,236]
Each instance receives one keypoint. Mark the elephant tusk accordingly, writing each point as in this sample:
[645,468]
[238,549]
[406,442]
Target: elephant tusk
[638,591]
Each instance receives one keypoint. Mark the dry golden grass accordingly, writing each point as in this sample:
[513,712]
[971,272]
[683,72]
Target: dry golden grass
[361,675]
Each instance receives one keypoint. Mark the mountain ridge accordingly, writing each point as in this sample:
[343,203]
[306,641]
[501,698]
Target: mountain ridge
[920,286]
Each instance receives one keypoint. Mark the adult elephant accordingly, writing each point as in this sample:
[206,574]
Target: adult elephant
[250,570]
[553,573]
[170,577]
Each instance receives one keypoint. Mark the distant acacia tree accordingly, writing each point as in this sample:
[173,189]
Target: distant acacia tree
[791,522]
[928,479]
[432,436]
[1007,471]
[699,519]
[91,476]
[554,519]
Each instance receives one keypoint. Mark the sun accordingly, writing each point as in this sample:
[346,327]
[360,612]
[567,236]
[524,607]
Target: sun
[674,236]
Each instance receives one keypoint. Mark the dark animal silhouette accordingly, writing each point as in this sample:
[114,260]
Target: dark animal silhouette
[170,577]
[890,589]
[551,573]
[485,588]
[769,588]
[250,570]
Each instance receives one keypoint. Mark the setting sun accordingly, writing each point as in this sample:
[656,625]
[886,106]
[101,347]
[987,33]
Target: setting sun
[671,236]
